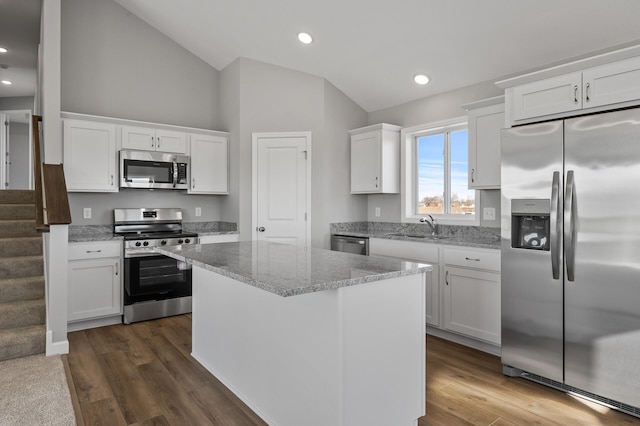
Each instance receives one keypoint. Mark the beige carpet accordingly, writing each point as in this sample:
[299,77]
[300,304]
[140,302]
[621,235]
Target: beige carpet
[34,391]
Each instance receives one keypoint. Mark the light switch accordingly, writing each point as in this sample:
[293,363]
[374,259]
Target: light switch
[377,212]
[489,213]
[198,211]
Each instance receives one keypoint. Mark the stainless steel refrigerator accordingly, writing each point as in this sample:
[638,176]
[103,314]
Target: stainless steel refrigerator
[571,253]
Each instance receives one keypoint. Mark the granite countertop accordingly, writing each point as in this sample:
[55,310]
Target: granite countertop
[87,233]
[287,270]
[464,236]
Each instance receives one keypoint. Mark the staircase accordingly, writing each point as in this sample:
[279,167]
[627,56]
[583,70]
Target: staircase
[22,302]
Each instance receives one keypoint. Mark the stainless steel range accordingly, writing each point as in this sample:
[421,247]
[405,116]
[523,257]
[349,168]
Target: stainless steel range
[155,285]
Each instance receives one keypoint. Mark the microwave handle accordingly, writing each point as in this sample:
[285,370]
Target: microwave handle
[175,174]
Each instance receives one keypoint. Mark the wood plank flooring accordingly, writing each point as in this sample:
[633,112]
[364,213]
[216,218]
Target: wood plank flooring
[143,374]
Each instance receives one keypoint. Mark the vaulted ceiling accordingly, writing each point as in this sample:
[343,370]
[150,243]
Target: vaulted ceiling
[372,49]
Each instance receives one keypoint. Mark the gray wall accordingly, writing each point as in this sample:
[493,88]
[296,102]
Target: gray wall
[102,204]
[268,98]
[428,110]
[16,103]
[114,64]
[20,168]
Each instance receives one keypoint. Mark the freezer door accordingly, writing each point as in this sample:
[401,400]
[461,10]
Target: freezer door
[531,296]
[602,301]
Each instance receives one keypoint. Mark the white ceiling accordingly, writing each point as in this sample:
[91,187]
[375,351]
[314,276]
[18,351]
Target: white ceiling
[20,34]
[371,49]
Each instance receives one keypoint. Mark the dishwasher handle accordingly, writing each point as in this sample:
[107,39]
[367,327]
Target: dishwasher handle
[356,245]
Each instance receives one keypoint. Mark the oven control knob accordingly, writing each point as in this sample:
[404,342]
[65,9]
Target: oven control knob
[180,241]
[163,242]
[187,241]
[138,244]
[146,243]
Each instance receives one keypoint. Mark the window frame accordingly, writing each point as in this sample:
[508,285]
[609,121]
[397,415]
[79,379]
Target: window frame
[409,173]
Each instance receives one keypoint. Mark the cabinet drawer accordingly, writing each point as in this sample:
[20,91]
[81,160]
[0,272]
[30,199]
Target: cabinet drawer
[409,250]
[477,259]
[94,250]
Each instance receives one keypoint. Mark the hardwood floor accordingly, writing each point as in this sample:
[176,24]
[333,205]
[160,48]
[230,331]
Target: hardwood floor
[143,374]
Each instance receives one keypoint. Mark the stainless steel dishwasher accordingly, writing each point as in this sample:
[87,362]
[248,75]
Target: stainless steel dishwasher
[350,244]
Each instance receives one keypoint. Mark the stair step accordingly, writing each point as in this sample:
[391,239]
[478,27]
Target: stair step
[17,196]
[17,289]
[20,246]
[21,266]
[17,228]
[22,313]
[17,212]
[23,341]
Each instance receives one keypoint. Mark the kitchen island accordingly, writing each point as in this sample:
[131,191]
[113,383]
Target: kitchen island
[310,336]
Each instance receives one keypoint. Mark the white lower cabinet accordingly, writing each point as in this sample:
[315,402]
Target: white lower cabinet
[220,238]
[418,252]
[471,301]
[95,280]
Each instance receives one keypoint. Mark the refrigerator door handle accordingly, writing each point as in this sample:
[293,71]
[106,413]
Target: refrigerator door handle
[569,227]
[555,226]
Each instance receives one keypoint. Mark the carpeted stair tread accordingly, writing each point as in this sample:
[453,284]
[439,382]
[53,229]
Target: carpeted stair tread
[22,313]
[23,341]
[17,228]
[21,266]
[17,196]
[17,212]
[17,289]
[20,246]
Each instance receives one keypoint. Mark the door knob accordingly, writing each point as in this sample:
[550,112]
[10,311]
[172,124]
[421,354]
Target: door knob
[260,229]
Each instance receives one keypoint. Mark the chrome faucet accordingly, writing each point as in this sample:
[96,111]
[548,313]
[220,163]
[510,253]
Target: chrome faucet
[432,222]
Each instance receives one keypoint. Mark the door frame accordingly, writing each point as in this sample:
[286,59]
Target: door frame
[5,141]
[254,178]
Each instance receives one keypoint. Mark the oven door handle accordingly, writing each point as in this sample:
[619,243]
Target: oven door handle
[129,253]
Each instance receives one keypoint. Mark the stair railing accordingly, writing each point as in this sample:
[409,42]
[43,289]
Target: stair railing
[51,200]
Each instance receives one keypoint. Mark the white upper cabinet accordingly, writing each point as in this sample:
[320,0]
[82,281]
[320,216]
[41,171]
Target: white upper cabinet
[603,82]
[90,156]
[549,96]
[485,119]
[209,164]
[375,159]
[149,139]
[612,83]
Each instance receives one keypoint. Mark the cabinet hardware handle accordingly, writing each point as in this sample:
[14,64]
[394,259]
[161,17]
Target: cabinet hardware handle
[575,94]
[588,87]
[94,251]
[194,183]
[473,172]
[470,258]
[111,180]
[117,267]
[446,278]
[376,181]
[152,144]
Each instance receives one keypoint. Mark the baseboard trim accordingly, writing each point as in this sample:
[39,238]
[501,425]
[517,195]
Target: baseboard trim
[57,348]
[93,323]
[466,341]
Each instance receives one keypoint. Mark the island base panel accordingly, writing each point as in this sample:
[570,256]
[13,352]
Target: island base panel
[354,355]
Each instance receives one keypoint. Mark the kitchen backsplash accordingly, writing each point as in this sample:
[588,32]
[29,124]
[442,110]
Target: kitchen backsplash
[415,229]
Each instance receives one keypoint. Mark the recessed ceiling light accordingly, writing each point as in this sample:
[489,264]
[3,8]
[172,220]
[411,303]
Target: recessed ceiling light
[421,79]
[3,50]
[7,82]
[305,38]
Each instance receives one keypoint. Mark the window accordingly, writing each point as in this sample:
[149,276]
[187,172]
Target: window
[436,173]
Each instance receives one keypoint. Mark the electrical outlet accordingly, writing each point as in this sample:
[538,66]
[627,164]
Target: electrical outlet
[489,213]
[377,212]
[86,213]
[198,211]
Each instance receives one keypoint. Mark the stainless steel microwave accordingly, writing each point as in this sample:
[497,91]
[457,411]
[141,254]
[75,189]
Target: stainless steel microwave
[147,169]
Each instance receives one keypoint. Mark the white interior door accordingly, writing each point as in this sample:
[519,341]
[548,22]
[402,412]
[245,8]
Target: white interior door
[281,177]
[4,150]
